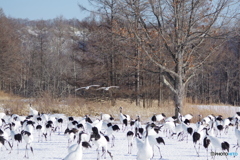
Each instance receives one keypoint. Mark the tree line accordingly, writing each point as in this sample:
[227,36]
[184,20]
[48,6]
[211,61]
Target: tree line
[153,49]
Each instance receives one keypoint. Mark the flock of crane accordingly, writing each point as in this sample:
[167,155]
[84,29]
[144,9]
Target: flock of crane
[100,88]
[100,132]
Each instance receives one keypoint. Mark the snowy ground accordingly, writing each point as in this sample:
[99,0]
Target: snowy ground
[56,148]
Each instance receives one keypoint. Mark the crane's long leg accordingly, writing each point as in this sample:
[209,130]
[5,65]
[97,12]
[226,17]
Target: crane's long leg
[113,139]
[159,152]
[196,150]
[110,154]
[26,152]
[237,146]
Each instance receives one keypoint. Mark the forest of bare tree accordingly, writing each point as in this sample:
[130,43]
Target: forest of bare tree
[152,49]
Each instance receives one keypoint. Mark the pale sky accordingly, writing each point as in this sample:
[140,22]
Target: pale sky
[44,9]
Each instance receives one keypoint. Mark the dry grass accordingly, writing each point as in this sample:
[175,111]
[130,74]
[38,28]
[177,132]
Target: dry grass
[7,96]
[80,107]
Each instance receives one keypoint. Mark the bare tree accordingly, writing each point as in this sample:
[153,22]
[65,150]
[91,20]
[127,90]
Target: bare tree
[106,11]
[184,30]
[9,54]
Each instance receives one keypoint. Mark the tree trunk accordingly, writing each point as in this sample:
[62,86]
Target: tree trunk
[179,97]
[159,90]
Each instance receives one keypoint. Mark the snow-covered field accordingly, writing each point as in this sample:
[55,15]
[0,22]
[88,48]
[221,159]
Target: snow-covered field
[56,148]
